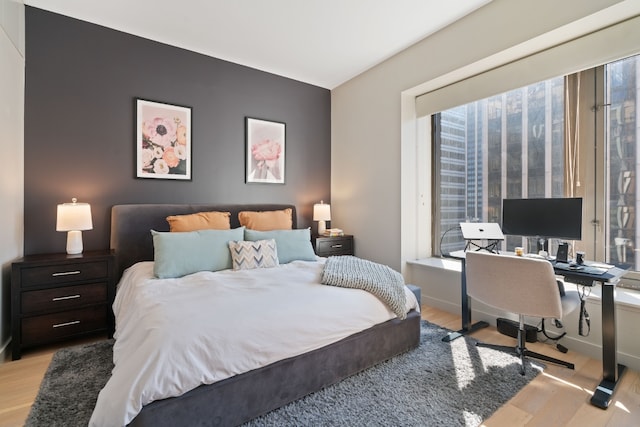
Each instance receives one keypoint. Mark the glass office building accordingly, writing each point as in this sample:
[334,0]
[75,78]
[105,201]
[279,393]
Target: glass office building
[505,146]
[512,146]
[623,91]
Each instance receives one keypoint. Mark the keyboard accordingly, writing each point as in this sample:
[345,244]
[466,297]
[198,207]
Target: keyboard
[570,266]
[587,269]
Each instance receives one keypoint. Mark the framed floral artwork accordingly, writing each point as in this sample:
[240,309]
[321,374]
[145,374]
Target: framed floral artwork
[163,140]
[265,151]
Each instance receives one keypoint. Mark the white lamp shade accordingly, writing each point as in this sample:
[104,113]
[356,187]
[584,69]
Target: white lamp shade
[321,212]
[74,217]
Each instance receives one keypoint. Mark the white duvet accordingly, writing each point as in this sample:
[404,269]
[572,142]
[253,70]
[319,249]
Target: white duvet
[173,335]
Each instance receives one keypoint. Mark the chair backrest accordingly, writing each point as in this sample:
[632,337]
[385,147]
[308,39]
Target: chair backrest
[515,284]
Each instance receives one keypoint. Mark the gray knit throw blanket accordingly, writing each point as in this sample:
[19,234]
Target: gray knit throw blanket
[380,280]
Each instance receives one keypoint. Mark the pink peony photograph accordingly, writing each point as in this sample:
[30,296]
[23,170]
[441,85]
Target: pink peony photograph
[163,141]
[265,151]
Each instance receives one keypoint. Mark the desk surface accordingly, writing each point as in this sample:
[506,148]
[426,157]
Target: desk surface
[582,272]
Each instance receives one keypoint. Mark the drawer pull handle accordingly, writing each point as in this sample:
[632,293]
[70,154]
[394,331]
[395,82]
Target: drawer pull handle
[66,297]
[66,273]
[59,325]
[336,246]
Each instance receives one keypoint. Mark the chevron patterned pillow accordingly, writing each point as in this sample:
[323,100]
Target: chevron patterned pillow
[259,254]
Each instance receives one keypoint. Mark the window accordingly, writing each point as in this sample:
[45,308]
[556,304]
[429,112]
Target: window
[506,146]
[512,145]
[622,127]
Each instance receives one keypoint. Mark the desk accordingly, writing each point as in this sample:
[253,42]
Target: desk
[611,370]
[467,326]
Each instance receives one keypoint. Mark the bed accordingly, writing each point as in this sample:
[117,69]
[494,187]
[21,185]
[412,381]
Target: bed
[243,396]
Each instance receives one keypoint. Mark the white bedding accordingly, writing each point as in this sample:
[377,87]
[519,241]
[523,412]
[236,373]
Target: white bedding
[173,335]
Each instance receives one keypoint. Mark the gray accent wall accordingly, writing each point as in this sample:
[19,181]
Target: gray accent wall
[81,82]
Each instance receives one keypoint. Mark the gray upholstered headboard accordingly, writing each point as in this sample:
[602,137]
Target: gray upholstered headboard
[131,224]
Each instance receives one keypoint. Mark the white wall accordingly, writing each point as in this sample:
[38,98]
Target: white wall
[377,187]
[12,149]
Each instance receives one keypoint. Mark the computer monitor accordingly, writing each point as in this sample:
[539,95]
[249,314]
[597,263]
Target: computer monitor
[559,218]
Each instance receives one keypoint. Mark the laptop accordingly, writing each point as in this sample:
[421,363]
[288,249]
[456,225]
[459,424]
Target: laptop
[481,231]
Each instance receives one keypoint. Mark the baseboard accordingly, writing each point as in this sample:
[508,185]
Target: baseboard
[440,304]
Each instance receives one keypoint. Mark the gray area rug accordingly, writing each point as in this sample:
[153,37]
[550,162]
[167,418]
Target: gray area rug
[437,384]
[70,386]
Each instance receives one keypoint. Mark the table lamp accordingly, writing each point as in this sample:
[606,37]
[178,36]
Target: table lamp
[74,218]
[321,213]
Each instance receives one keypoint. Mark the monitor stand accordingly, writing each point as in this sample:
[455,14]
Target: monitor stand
[491,246]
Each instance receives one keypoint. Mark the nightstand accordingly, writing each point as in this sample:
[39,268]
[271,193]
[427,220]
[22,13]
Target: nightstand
[58,296]
[336,245]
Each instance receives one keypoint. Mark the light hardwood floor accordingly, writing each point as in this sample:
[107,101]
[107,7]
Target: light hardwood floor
[556,397]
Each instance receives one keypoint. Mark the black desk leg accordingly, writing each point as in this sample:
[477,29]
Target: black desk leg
[611,370]
[467,327]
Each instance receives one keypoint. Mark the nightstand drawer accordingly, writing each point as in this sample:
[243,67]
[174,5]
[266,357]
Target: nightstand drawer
[52,274]
[327,246]
[39,329]
[59,296]
[63,298]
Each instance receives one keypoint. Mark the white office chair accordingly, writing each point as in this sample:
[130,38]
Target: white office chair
[520,285]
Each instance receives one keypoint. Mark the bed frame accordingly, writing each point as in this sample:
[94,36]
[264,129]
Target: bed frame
[241,398]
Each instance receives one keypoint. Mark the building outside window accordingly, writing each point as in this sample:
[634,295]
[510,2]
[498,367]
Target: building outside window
[623,128]
[511,145]
[505,146]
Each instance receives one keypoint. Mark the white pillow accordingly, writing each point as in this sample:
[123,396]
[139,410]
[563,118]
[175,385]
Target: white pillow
[248,255]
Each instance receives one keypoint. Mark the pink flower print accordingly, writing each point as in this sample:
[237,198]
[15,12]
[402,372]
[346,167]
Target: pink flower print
[158,152]
[147,158]
[161,167]
[182,135]
[181,152]
[160,131]
[266,150]
[171,158]
[266,154]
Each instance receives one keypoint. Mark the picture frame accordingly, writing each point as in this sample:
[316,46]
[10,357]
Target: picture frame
[163,140]
[265,151]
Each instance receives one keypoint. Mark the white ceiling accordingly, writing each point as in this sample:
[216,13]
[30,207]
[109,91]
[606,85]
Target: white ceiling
[321,42]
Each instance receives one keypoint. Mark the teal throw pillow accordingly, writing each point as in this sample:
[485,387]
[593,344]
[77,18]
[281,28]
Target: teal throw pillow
[292,245]
[179,254]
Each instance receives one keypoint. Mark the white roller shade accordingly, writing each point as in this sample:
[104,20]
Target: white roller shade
[603,46]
